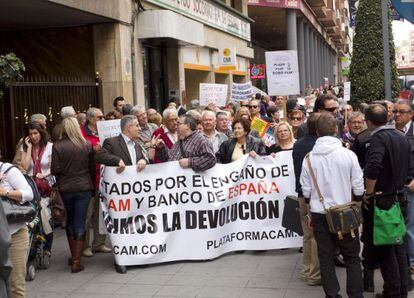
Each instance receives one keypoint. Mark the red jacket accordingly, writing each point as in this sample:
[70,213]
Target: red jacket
[94,140]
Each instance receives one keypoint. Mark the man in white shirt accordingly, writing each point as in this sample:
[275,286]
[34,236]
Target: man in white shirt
[338,174]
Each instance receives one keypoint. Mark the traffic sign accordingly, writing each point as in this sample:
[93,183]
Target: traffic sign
[405,8]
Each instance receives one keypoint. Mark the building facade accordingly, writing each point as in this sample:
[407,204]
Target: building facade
[317,29]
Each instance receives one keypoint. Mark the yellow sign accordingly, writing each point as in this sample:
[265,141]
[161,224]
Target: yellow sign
[227,59]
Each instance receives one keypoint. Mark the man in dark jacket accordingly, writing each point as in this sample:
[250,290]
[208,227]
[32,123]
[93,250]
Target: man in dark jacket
[310,271]
[385,173]
[5,266]
[122,151]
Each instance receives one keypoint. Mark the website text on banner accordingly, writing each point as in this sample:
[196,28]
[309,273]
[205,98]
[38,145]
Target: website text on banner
[167,213]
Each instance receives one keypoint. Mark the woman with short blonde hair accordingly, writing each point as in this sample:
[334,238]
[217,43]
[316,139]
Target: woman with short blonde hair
[284,138]
[74,167]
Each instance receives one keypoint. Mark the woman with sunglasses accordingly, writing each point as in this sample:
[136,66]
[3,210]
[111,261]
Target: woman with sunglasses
[296,119]
[284,137]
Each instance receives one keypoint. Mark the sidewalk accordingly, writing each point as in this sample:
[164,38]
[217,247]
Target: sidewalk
[270,274]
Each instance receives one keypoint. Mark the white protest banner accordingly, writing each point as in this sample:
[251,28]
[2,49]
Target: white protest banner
[108,129]
[167,213]
[241,91]
[213,93]
[347,91]
[282,73]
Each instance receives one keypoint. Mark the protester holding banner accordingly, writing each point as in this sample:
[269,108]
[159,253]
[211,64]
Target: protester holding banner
[240,144]
[167,132]
[97,244]
[208,120]
[284,137]
[74,168]
[329,177]
[310,272]
[192,150]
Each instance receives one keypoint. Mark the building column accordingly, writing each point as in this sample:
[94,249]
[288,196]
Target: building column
[307,55]
[301,55]
[291,34]
[312,59]
[315,57]
[112,51]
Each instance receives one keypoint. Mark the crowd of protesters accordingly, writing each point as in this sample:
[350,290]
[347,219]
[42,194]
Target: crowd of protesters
[361,153]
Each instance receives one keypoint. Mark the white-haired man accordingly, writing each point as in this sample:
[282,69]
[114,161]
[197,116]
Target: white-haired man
[208,121]
[147,129]
[168,132]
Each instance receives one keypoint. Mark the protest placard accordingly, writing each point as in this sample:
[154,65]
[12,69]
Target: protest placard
[213,93]
[108,129]
[347,91]
[167,213]
[241,91]
[282,72]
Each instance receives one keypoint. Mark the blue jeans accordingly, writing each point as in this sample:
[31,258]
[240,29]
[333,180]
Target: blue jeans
[76,204]
[410,225]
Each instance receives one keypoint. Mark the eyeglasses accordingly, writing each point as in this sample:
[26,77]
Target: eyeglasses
[253,107]
[296,118]
[330,109]
[101,117]
[401,111]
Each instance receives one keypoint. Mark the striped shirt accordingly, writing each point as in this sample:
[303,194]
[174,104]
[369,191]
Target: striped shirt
[197,148]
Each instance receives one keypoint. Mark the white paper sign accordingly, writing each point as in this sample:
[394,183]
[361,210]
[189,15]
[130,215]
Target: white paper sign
[347,91]
[282,73]
[108,129]
[241,91]
[213,93]
[167,213]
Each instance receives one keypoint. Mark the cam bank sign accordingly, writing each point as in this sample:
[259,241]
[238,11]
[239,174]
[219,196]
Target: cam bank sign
[209,13]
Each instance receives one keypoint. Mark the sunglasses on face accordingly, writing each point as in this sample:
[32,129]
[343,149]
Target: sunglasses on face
[296,118]
[101,117]
[253,107]
[330,109]
[244,106]
[401,111]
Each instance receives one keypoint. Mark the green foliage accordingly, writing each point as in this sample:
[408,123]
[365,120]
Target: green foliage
[10,70]
[367,66]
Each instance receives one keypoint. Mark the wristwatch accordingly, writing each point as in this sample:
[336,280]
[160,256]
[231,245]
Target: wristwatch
[7,193]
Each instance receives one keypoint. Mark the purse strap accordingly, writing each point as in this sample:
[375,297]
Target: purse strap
[312,173]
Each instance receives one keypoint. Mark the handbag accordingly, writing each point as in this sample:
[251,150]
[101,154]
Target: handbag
[42,184]
[389,226]
[342,219]
[57,207]
[15,211]
[291,215]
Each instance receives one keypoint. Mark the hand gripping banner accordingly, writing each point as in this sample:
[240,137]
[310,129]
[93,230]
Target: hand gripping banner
[167,213]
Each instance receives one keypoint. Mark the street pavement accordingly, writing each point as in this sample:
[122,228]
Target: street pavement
[270,274]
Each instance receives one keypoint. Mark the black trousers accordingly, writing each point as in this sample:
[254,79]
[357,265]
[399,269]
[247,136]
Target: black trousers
[349,248]
[392,259]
